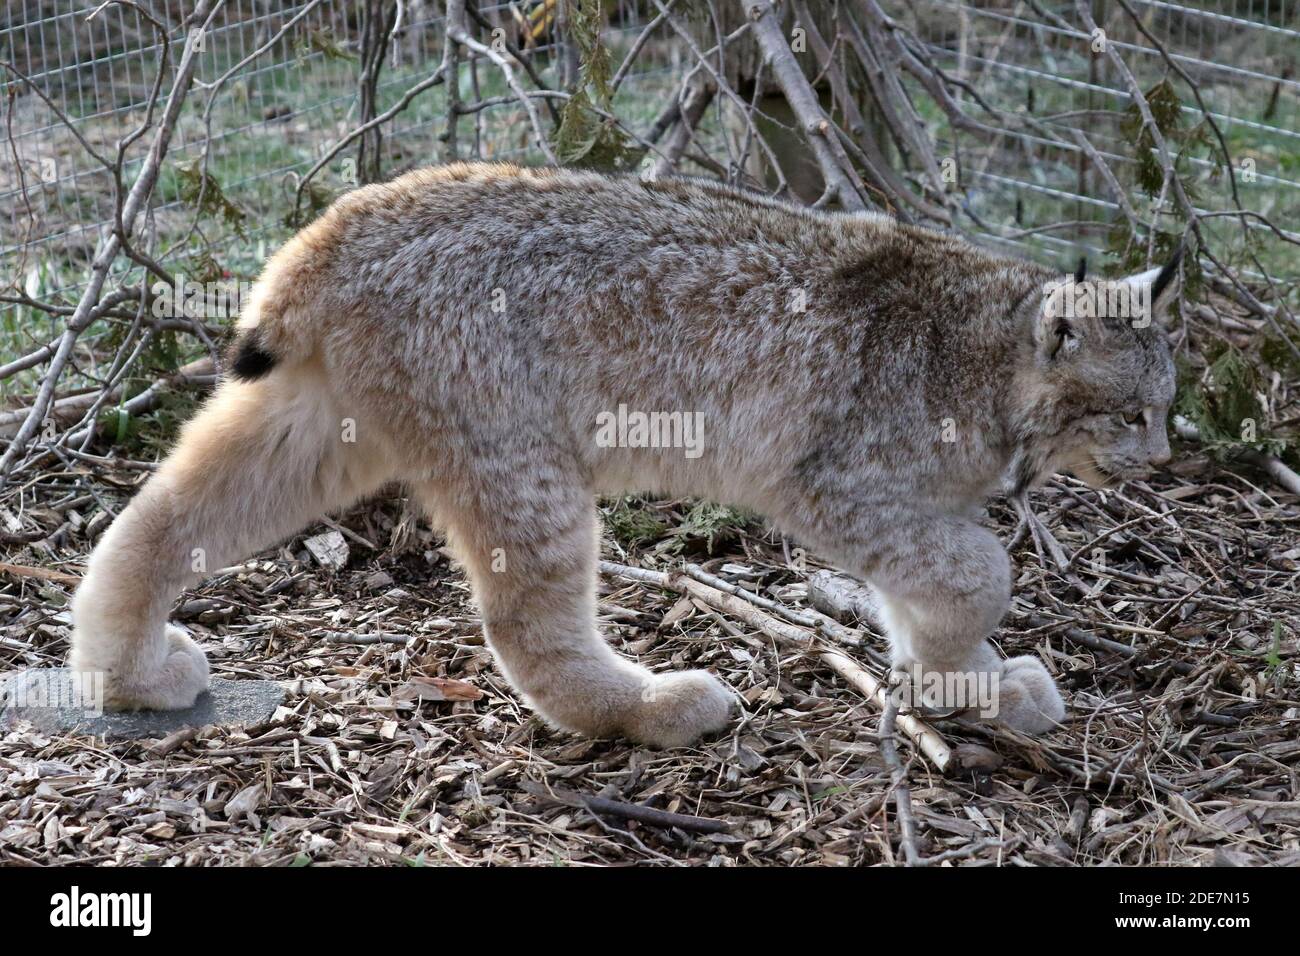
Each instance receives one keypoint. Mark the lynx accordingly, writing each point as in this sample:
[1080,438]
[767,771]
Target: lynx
[465,330]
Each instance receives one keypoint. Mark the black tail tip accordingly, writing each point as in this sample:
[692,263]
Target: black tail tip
[249,360]
[1169,272]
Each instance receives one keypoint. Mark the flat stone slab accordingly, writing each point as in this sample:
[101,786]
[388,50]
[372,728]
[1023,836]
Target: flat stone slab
[56,702]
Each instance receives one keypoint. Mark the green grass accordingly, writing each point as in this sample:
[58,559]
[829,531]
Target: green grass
[311,98]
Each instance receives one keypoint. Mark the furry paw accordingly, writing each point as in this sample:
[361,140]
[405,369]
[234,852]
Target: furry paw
[1028,700]
[172,684]
[679,708]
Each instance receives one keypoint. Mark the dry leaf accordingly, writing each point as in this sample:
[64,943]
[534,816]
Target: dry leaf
[436,688]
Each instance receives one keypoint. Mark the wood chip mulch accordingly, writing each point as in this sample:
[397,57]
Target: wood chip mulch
[400,743]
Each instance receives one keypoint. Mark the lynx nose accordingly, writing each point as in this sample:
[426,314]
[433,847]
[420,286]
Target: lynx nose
[1158,452]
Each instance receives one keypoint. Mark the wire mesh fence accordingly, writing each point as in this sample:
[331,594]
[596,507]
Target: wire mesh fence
[1113,128]
[1241,54]
[269,121]
[272,117]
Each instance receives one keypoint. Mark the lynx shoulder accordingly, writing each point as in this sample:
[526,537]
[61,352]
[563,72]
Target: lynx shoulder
[508,343]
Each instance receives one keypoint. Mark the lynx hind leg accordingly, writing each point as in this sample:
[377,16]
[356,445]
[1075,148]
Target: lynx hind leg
[531,553]
[260,461]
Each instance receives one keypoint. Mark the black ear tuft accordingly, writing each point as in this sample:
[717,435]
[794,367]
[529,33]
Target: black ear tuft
[1166,274]
[249,359]
[1082,271]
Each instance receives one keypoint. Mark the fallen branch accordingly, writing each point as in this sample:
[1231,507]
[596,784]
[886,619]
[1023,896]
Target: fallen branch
[626,811]
[841,595]
[129,209]
[73,408]
[836,168]
[898,783]
[738,604]
[1097,643]
[1271,464]
[364,639]
[40,574]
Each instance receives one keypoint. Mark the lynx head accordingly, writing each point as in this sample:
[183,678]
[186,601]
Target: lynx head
[1096,393]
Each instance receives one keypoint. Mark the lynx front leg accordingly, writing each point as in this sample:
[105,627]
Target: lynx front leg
[945,584]
[531,555]
[259,462]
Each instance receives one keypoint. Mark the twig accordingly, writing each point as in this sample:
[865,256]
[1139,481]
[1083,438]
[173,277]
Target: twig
[695,97]
[366,639]
[457,30]
[836,170]
[898,783]
[110,245]
[1097,643]
[41,574]
[1271,464]
[627,811]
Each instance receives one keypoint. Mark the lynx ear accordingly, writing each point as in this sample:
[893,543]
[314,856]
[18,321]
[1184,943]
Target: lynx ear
[1057,324]
[1056,327]
[1158,287]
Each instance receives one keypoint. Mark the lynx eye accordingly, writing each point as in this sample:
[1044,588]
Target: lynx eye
[1132,419]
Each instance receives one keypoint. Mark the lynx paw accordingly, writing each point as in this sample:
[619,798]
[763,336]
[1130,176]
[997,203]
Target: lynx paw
[1028,700]
[175,684]
[679,708]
